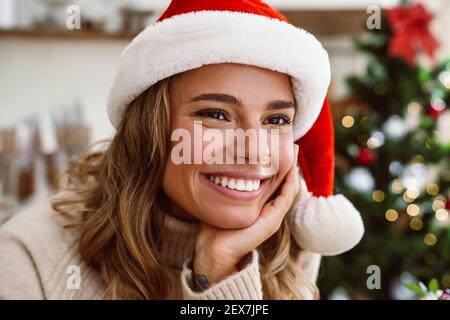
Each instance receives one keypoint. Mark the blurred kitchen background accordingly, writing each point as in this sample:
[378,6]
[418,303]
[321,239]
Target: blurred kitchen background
[390,104]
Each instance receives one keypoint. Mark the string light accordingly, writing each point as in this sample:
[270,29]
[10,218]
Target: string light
[372,143]
[378,196]
[397,186]
[432,189]
[348,121]
[414,107]
[391,215]
[444,77]
[438,204]
[376,140]
[441,214]
[395,168]
[406,198]
[416,224]
[430,239]
[438,104]
[413,209]
[412,192]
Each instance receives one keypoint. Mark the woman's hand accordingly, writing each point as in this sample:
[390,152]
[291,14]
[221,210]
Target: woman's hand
[219,251]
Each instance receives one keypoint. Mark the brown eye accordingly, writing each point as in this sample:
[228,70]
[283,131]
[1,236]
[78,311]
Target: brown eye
[214,114]
[278,120]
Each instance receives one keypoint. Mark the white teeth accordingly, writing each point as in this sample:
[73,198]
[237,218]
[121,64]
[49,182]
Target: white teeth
[236,184]
[240,185]
[224,182]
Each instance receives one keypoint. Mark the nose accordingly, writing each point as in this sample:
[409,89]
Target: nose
[250,145]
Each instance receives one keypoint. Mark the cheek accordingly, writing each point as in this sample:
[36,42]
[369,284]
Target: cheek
[284,156]
[178,178]
[287,150]
[180,183]
[181,172]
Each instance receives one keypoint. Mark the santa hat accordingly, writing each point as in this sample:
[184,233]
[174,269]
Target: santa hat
[194,33]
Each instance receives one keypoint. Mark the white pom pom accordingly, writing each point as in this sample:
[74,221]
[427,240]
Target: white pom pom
[329,226]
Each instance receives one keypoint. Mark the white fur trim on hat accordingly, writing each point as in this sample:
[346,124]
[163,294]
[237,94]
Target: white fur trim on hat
[190,40]
[326,225]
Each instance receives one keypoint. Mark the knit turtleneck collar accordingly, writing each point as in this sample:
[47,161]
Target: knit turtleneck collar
[177,240]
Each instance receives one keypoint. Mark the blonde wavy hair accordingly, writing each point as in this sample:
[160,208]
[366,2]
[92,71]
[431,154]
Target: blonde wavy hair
[118,188]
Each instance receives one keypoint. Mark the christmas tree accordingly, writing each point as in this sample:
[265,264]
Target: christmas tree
[393,161]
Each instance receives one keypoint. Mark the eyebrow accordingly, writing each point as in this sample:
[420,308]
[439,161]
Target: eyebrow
[229,99]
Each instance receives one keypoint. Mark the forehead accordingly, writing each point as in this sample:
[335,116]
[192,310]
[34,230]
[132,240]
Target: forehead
[249,83]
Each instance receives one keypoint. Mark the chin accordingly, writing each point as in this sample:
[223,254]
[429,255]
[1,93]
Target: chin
[232,218]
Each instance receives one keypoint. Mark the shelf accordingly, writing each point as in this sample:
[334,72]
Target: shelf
[319,23]
[329,23]
[63,34]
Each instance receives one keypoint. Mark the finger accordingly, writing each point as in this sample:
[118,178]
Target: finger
[297,180]
[289,187]
[296,151]
[274,212]
[288,191]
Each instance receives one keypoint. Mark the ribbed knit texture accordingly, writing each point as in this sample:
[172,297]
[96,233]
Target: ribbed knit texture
[40,259]
[242,285]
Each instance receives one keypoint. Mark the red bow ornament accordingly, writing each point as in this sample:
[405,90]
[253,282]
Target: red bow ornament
[410,32]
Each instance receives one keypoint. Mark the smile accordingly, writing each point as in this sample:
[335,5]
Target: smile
[236,186]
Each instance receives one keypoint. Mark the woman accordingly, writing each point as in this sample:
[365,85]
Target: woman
[157,216]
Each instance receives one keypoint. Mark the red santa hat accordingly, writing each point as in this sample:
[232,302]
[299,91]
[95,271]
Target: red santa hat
[194,33]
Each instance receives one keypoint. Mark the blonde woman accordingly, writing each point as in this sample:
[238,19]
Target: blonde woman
[155,214]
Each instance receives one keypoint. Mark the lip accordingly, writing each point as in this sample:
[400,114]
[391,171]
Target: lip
[235,194]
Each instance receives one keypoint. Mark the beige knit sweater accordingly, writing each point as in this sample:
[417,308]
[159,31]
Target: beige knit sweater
[39,260]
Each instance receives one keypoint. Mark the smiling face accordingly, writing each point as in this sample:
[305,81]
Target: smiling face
[224,97]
